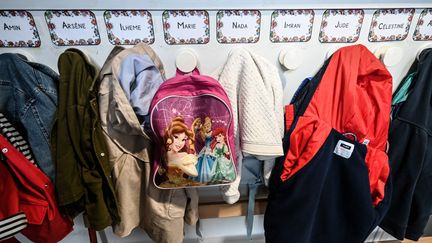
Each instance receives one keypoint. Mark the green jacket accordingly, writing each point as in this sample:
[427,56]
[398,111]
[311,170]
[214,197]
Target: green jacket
[83,173]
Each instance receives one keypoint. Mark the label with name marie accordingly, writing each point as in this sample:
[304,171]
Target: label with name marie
[390,24]
[291,25]
[423,30]
[129,27]
[72,27]
[238,26]
[186,27]
[341,25]
[18,29]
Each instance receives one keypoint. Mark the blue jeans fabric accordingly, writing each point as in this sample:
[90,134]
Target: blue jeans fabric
[28,95]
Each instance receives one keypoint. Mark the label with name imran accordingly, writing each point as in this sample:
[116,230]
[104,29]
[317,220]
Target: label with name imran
[291,25]
[72,27]
[129,27]
[341,25]
[186,27]
[423,30]
[238,26]
[18,29]
[390,24]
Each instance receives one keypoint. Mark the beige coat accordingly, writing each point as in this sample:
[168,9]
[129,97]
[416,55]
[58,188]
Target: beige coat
[161,213]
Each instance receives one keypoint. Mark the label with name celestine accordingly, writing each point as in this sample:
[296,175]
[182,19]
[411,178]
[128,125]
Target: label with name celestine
[423,30]
[390,24]
[72,27]
[341,25]
[18,29]
[186,26]
[129,27]
[238,26]
[291,25]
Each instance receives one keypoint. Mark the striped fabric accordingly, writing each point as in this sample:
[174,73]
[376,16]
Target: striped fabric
[12,225]
[14,137]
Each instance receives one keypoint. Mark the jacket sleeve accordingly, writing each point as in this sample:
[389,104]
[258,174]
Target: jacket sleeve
[407,152]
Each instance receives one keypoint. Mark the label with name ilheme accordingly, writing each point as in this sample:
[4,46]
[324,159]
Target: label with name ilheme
[341,25]
[291,25]
[129,27]
[72,27]
[238,26]
[18,29]
[423,30]
[186,27]
[390,24]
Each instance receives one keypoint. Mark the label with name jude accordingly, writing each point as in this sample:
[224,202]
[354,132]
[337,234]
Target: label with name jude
[238,26]
[423,30]
[129,27]
[390,24]
[186,27]
[72,27]
[341,25]
[18,29]
[291,25]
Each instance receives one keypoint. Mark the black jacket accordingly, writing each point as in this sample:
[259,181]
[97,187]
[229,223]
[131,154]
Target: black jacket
[410,155]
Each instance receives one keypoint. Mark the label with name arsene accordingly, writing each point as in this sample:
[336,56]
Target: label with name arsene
[390,24]
[72,27]
[423,30]
[18,29]
[341,25]
[186,27]
[291,25]
[129,27]
[238,26]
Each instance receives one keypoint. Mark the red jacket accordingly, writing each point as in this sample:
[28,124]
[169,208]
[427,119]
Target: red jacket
[25,189]
[353,96]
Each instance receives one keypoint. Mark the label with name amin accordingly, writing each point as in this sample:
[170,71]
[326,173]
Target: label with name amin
[291,25]
[341,25]
[129,27]
[390,24]
[18,29]
[186,27]
[238,26]
[72,27]
[423,30]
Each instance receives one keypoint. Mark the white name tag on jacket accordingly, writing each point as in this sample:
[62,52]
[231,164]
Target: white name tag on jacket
[344,149]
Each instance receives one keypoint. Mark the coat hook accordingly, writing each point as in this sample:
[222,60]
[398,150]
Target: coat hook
[389,55]
[422,48]
[186,60]
[291,58]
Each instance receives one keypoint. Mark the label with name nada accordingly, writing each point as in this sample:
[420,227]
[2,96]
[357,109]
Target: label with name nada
[291,25]
[390,24]
[341,25]
[72,27]
[186,27]
[238,26]
[18,29]
[423,30]
[129,27]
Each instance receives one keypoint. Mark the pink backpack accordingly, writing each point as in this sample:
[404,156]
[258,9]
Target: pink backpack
[192,121]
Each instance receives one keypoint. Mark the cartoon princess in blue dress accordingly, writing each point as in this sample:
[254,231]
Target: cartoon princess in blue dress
[206,158]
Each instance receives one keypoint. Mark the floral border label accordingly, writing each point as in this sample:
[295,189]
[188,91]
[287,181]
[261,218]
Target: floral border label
[238,26]
[423,30]
[390,24]
[72,27]
[291,25]
[341,25]
[186,27]
[18,29]
[129,27]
